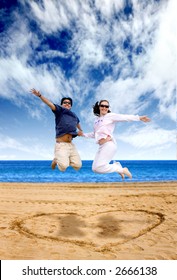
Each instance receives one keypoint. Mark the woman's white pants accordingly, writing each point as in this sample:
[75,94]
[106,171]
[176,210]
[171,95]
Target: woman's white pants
[104,155]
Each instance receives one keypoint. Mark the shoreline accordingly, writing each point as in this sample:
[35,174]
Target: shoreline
[88,221]
[125,182]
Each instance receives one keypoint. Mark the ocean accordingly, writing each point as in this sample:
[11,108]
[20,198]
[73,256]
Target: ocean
[40,171]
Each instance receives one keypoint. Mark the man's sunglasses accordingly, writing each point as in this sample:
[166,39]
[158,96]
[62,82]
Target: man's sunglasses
[104,106]
[67,102]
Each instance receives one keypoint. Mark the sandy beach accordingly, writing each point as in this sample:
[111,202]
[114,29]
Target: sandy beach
[86,221]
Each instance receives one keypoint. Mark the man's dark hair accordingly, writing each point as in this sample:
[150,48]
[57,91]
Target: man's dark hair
[68,98]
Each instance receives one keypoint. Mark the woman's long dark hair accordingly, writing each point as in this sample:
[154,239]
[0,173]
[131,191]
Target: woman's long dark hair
[96,108]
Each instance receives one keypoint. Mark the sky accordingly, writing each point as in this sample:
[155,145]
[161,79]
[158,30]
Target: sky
[123,51]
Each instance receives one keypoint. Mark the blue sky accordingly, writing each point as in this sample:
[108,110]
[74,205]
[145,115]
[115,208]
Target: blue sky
[123,51]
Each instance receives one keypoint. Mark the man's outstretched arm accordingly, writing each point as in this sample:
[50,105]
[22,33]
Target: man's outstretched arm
[44,99]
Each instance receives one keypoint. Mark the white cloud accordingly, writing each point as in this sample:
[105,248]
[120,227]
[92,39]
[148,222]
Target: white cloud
[91,53]
[159,70]
[7,157]
[107,8]
[13,147]
[50,15]
[21,77]
[148,136]
[148,142]
[123,94]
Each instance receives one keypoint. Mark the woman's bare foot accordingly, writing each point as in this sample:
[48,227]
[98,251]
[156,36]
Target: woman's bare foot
[122,175]
[127,172]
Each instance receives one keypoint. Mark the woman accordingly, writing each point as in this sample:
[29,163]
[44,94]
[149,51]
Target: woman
[103,133]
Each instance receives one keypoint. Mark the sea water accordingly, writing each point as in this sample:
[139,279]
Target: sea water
[40,171]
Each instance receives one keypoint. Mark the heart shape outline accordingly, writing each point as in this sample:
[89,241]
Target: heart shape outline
[20,226]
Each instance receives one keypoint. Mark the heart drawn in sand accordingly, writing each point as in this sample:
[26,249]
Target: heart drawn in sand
[90,230]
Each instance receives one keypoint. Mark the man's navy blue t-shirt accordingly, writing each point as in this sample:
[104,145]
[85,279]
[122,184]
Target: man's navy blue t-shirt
[65,121]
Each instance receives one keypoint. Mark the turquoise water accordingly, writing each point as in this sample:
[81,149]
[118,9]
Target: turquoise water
[40,171]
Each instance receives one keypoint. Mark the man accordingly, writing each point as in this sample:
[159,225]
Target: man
[66,124]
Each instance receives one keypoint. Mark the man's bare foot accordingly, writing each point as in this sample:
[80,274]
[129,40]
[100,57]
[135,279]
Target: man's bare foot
[54,163]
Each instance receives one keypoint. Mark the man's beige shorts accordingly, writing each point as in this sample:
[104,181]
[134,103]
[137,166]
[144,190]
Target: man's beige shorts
[67,155]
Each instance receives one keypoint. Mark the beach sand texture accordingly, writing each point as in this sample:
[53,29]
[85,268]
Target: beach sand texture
[86,221]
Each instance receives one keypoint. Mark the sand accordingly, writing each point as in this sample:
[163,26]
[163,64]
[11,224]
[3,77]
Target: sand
[85,221]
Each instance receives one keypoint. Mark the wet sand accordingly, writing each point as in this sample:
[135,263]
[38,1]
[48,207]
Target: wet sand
[87,221]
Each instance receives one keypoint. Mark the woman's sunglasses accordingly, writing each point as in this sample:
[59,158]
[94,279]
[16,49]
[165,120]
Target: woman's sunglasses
[104,106]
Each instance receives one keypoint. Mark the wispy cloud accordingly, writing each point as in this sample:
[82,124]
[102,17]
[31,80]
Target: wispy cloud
[149,136]
[11,145]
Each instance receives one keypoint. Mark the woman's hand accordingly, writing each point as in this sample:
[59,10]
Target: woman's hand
[145,119]
[104,140]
